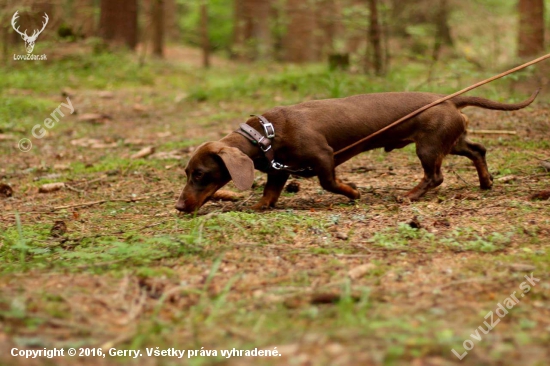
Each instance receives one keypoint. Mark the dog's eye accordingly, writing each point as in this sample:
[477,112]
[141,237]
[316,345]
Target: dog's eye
[197,174]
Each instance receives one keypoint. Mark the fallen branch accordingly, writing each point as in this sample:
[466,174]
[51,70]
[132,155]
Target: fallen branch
[93,203]
[451,284]
[493,132]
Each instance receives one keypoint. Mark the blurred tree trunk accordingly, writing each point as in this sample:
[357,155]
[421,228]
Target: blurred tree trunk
[205,40]
[375,38]
[299,40]
[157,17]
[252,34]
[443,30]
[83,19]
[238,28]
[531,27]
[327,18]
[261,28]
[118,22]
[171,16]
[278,18]
[355,36]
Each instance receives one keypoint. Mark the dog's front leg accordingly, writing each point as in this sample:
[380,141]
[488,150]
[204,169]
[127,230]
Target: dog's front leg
[272,191]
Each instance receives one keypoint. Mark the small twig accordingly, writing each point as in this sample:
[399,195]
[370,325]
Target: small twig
[80,205]
[493,132]
[93,203]
[151,225]
[73,189]
[459,177]
[451,284]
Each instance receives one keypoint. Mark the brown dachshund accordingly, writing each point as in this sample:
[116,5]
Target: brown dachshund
[306,136]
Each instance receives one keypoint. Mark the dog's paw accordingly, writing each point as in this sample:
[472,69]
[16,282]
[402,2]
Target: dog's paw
[486,187]
[261,206]
[488,184]
[404,199]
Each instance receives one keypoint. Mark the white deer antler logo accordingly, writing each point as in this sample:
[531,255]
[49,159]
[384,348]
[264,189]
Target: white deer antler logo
[29,40]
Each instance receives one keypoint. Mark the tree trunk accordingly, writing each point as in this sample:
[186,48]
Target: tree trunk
[83,20]
[375,38]
[442,24]
[261,28]
[118,22]
[171,16]
[252,33]
[442,33]
[300,39]
[157,17]
[205,40]
[327,19]
[531,27]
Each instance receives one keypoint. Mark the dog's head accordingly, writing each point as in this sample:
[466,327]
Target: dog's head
[213,165]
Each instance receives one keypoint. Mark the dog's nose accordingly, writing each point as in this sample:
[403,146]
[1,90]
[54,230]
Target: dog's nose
[180,206]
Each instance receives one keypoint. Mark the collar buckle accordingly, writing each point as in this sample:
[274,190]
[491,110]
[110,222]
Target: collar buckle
[268,127]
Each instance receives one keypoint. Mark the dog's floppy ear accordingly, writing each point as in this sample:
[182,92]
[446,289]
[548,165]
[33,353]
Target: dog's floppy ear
[240,167]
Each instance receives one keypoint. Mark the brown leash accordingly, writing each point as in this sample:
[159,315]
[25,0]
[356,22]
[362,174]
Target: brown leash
[441,100]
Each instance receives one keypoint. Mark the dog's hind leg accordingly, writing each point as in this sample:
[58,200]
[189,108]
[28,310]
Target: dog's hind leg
[431,158]
[476,153]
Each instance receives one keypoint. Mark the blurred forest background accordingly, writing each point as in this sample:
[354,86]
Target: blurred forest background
[370,36]
[104,260]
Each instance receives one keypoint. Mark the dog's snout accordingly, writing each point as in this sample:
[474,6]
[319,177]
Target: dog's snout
[180,206]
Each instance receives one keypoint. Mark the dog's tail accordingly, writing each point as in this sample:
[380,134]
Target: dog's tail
[462,102]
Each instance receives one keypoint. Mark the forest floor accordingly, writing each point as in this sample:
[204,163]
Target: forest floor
[107,262]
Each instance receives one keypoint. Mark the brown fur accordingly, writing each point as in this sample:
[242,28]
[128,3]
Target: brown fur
[307,135]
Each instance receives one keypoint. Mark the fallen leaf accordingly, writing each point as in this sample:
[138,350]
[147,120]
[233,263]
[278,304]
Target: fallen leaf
[93,117]
[143,153]
[4,137]
[507,178]
[521,267]
[140,108]
[61,167]
[51,187]
[166,155]
[132,141]
[105,94]
[360,271]
[341,236]
[164,134]
[93,143]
